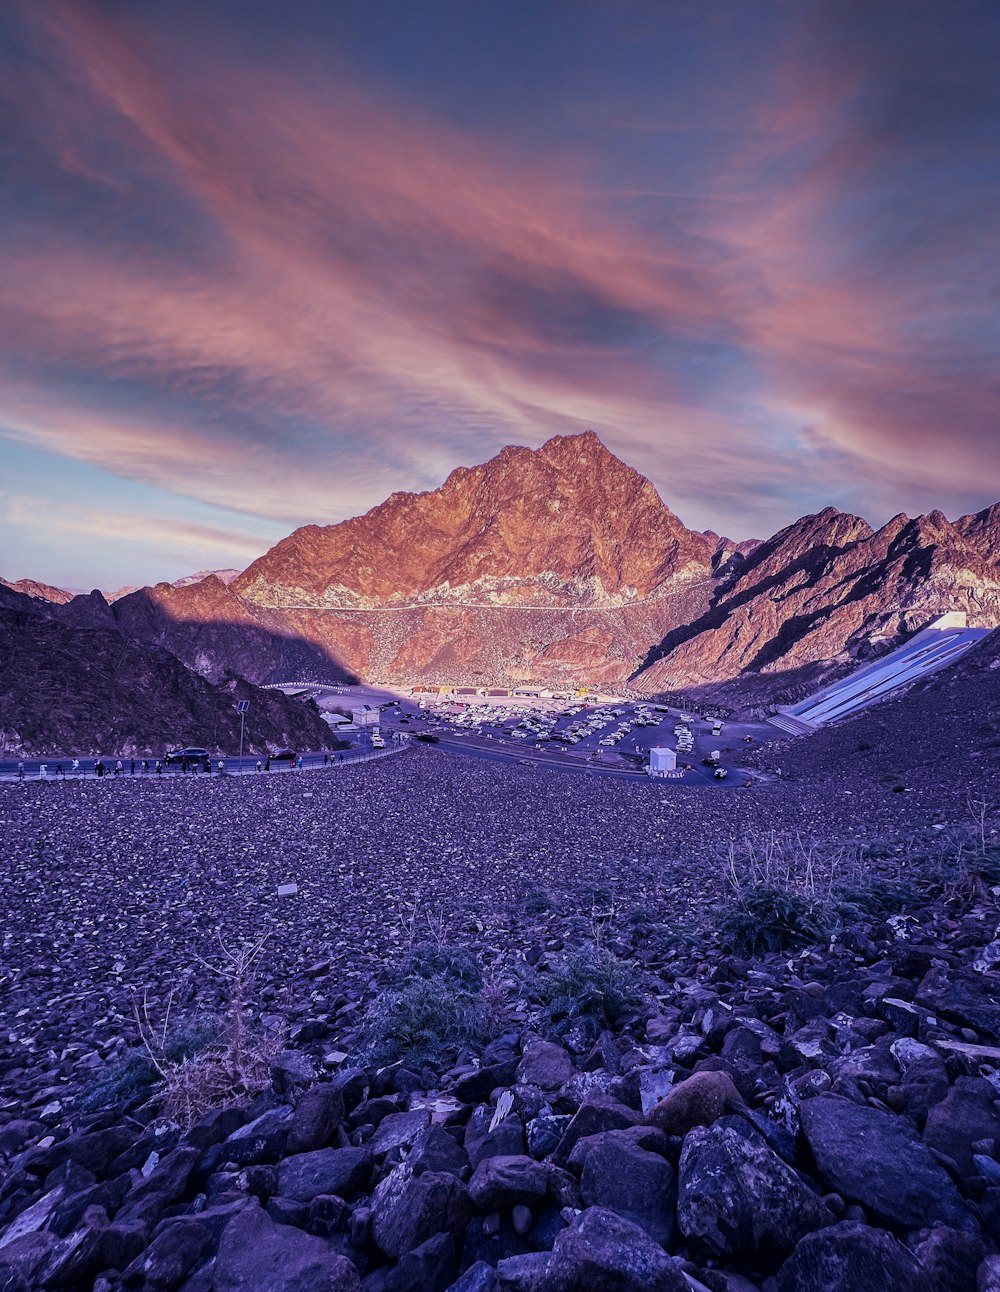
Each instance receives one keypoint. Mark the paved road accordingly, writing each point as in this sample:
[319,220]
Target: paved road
[313,761]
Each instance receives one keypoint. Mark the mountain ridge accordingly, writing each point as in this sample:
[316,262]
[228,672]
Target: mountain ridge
[563,566]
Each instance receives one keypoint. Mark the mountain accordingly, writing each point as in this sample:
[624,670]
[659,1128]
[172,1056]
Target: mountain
[559,564]
[563,566]
[87,688]
[224,576]
[41,591]
[565,525]
[830,589]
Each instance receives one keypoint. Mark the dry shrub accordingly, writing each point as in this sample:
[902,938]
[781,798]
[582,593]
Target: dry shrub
[232,1070]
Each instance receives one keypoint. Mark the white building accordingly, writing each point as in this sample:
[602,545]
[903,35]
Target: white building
[366,716]
[662,761]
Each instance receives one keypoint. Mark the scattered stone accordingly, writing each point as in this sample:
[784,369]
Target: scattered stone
[602,1252]
[255,1254]
[852,1258]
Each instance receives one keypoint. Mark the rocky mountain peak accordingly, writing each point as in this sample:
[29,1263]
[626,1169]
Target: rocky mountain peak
[566,524]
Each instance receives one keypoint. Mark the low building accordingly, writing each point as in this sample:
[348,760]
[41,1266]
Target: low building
[366,716]
[662,761]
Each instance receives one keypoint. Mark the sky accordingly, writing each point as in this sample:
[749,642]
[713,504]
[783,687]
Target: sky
[263,264]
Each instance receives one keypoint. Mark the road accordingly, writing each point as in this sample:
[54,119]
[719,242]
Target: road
[457,727]
[132,767]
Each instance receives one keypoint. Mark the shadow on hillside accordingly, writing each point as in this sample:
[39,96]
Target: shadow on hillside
[242,643]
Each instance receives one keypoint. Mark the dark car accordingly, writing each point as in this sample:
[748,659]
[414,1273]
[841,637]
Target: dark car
[186,755]
[426,736]
[284,756]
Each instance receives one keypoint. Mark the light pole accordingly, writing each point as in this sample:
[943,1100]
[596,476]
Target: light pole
[241,708]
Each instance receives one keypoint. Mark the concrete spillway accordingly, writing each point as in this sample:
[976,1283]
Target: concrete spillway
[939,644]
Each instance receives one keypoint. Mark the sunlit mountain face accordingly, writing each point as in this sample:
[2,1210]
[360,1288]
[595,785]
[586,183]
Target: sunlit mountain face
[266,265]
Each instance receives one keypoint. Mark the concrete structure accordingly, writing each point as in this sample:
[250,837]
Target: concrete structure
[366,716]
[661,761]
[941,643]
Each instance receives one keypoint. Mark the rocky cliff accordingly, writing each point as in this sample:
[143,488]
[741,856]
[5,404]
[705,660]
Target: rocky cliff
[89,689]
[829,590]
[561,565]
[565,525]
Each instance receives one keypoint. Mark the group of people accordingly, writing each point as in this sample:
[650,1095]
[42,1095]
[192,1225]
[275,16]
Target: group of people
[146,767]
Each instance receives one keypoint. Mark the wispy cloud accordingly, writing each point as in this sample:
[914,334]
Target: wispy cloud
[279,292]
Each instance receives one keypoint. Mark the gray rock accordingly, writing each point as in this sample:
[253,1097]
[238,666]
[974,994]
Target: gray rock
[317,1115]
[428,1268]
[737,1198]
[852,1258]
[524,1273]
[479,1277]
[876,1159]
[949,1257]
[327,1170]
[631,1182]
[602,1252]
[499,1183]
[171,1255]
[408,1209]
[545,1065]
[599,1113]
[435,1150]
[504,1140]
[476,1087]
[699,1101]
[545,1131]
[256,1255]
[398,1130]
[965,1116]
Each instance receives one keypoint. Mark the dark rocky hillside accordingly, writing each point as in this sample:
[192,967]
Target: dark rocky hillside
[88,689]
[942,732]
[592,1052]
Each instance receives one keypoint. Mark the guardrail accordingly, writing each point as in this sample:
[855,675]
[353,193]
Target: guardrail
[62,769]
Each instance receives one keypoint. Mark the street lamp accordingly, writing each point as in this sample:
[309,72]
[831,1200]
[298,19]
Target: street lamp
[242,706]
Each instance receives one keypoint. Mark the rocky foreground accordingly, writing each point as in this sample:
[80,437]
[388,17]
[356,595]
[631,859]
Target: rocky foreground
[580,1074]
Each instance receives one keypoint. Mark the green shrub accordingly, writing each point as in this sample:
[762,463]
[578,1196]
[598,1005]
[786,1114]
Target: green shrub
[591,983]
[128,1079]
[431,960]
[537,903]
[427,1016]
[767,918]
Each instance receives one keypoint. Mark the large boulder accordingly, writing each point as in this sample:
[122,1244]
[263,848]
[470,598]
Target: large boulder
[877,1160]
[699,1101]
[602,1252]
[317,1115]
[852,1258]
[408,1209]
[599,1113]
[545,1065]
[500,1183]
[963,1118]
[256,1255]
[737,1198]
[326,1170]
[631,1182]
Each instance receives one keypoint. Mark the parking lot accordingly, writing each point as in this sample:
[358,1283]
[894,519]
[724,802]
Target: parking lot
[609,736]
